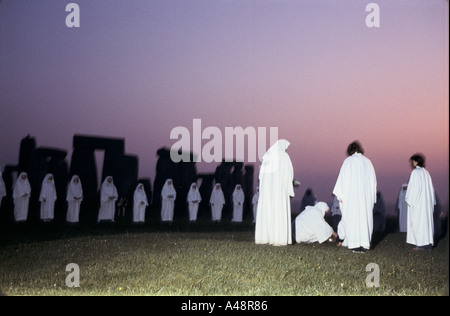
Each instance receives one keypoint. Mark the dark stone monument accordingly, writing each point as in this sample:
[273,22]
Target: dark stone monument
[223,175]
[123,168]
[206,187]
[28,161]
[248,191]
[182,174]
[37,162]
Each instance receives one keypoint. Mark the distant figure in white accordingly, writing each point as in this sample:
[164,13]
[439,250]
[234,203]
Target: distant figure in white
[74,197]
[168,195]
[140,203]
[402,208]
[108,198]
[421,199]
[2,188]
[48,198]
[238,203]
[310,225]
[255,204]
[217,201]
[193,199]
[356,190]
[273,218]
[21,196]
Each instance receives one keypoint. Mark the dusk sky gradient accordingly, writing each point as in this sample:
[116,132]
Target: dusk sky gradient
[137,69]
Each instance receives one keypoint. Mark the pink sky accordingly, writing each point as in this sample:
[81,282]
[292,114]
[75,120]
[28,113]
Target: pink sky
[137,69]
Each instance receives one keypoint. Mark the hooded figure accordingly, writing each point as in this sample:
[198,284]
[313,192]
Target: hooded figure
[217,201]
[308,199]
[193,199]
[74,197]
[168,195]
[273,218]
[21,196]
[108,197]
[140,203]
[356,189]
[402,208]
[421,199]
[48,198]
[255,203]
[238,203]
[310,225]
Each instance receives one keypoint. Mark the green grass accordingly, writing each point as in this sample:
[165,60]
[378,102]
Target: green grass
[203,259]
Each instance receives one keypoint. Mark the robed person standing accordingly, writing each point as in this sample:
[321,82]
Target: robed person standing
[238,203]
[255,204]
[193,199]
[21,196]
[74,197]
[168,195]
[273,218]
[217,201]
[47,198]
[140,203]
[356,189]
[421,199]
[402,208]
[108,197]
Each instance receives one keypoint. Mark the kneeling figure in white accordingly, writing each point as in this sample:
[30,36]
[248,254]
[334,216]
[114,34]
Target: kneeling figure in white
[310,225]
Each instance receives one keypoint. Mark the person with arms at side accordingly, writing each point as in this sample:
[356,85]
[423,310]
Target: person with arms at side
[276,187]
[217,201]
[356,190]
[193,198]
[255,203]
[421,199]
[238,204]
[21,196]
[402,209]
[140,203]
[47,197]
[74,197]
[108,198]
[168,195]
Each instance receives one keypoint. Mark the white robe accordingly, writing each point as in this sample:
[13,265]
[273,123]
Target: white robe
[47,197]
[21,196]
[356,188]
[402,207]
[255,204]
[74,198]
[108,197]
[193,198]
[238,205]
[217,201]
[421,199]
[140,203]
[273,218]
[168,195]
[310,225]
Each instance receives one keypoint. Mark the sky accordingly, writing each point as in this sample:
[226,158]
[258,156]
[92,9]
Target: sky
[312,69]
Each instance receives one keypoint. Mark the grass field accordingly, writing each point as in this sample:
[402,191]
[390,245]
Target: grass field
[206,259]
